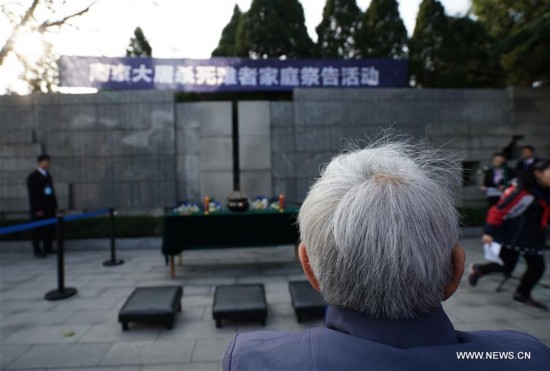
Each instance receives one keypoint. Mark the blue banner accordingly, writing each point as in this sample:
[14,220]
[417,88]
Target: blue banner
[230,74]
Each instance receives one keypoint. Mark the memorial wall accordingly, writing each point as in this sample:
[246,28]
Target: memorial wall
[141,151]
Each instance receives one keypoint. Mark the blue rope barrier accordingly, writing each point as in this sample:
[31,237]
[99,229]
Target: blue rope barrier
[45,222]
[90,214]
[27,226]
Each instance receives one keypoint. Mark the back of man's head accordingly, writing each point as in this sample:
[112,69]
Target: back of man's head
[527,152]
[379,226]
[43,157]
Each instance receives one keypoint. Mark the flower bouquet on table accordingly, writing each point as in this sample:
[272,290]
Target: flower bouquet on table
[278,203]
[211,206]
[186,208]
[259,203]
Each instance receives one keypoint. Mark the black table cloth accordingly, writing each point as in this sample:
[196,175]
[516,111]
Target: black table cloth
[225,229]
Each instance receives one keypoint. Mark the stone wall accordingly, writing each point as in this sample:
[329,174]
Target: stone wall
[531,116]
[109,149]
[283,150]
[203,145]
[477,121]
[205,150]
[140,151]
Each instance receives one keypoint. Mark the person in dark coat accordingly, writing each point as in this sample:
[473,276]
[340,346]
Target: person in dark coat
[43,205]
[518,222]
[497,179]
[528,159]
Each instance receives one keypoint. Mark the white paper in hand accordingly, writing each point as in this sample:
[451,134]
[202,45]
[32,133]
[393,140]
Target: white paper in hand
[491,251]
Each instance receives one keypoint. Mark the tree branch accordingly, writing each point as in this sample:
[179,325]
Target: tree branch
[8,45]
[63,20]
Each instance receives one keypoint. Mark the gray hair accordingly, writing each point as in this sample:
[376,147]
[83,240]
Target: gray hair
[379,226]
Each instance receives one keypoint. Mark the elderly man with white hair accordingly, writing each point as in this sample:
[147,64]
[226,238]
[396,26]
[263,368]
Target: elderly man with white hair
[380,235]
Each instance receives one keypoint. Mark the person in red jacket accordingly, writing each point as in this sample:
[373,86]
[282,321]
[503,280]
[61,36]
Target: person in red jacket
[518,222]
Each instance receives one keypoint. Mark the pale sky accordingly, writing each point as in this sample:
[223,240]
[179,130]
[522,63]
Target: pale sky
[174,28]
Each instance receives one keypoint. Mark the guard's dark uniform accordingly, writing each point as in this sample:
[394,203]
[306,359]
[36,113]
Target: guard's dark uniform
[42,198]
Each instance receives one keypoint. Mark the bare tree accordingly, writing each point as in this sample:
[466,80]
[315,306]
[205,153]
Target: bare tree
[40,16]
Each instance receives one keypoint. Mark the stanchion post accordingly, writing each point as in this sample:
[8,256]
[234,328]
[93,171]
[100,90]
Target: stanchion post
[61,292]
[113,261]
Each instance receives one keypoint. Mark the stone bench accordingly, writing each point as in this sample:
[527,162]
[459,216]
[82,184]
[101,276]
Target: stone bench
[306,301]
[156,305]
[239,302]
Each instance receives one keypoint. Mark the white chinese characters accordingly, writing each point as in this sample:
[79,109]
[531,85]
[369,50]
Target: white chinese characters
[206,75]
[269,76]
[265,76]
[142,73]
[370,76]
[121,73]
[227,76]
[350,76]
[164,74]
[185,75]
[290,76]
[99,72]
[309,76]
[247,76]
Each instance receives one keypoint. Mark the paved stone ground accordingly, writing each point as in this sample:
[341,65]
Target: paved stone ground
[82,333]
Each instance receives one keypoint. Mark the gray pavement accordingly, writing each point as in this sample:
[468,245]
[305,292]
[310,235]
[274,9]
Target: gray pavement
[82,333]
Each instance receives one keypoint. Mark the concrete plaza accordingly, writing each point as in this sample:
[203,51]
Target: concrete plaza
[82,333]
